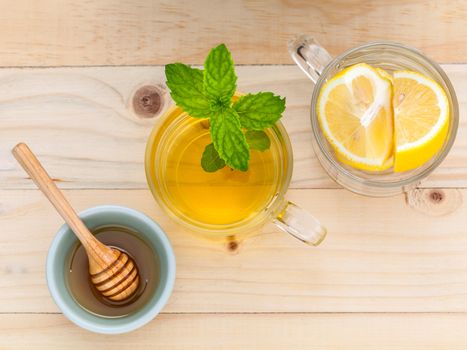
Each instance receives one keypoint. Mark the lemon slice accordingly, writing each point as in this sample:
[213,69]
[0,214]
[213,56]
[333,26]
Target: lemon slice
[355,114]
[421,118]
[384,74]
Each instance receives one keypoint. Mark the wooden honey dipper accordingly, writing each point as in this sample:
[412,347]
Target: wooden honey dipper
[113,272]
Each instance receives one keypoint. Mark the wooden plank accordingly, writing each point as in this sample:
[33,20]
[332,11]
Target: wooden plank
[380,255]
[247,331]
[53,32]
[80,123]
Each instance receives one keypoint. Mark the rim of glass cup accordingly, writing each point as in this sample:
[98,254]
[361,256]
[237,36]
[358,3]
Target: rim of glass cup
[367,182]
[244,226]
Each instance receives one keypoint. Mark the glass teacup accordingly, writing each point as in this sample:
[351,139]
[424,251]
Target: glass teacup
[319,66]
[226,205]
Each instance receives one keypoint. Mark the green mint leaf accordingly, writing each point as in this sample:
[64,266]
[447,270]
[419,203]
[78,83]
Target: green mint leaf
[219,77]
[259,111]
[187,90]
[258,139]
[211,161]
[229,140]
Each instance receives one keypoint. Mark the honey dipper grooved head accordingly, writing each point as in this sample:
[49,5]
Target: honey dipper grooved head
[119,280]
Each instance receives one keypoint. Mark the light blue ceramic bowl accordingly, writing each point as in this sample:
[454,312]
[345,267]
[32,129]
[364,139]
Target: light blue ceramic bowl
[61,248]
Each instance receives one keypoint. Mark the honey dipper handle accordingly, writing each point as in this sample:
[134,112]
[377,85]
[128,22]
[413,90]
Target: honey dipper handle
[33,167]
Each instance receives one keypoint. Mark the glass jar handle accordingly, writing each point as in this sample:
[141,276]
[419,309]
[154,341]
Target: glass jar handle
[309,55]
[300,224]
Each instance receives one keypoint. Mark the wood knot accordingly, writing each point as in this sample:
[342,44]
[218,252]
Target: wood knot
[148,101]
[436,196]
[232,244]
[434,202]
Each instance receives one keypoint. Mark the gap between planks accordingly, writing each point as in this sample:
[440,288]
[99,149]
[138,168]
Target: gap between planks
[288,313]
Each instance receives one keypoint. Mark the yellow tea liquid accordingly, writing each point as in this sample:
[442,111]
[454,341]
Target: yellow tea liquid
[221,198]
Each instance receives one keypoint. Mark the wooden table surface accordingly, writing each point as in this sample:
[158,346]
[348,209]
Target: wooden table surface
[392,273]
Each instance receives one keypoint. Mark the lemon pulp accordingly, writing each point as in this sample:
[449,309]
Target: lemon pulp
[375,120]
[355,114]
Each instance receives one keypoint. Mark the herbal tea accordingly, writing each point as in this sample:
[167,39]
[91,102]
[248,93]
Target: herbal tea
[84,291]
[217,198]
[220,162]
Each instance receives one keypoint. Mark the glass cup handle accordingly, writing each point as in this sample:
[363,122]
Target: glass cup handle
[309,55]
[300,224]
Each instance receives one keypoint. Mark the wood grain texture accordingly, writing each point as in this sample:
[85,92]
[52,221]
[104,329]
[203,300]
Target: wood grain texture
[56,32]
[81,123]
[380,256]
[392,273]
[247,331]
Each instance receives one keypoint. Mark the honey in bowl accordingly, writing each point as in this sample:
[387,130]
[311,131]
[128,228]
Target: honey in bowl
[84,292]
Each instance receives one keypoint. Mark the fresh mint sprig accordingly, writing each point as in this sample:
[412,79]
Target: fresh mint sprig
[220,80]
[187,89]
[235,127]
[259,111]
[258,139]
[211,161]
[228,139]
